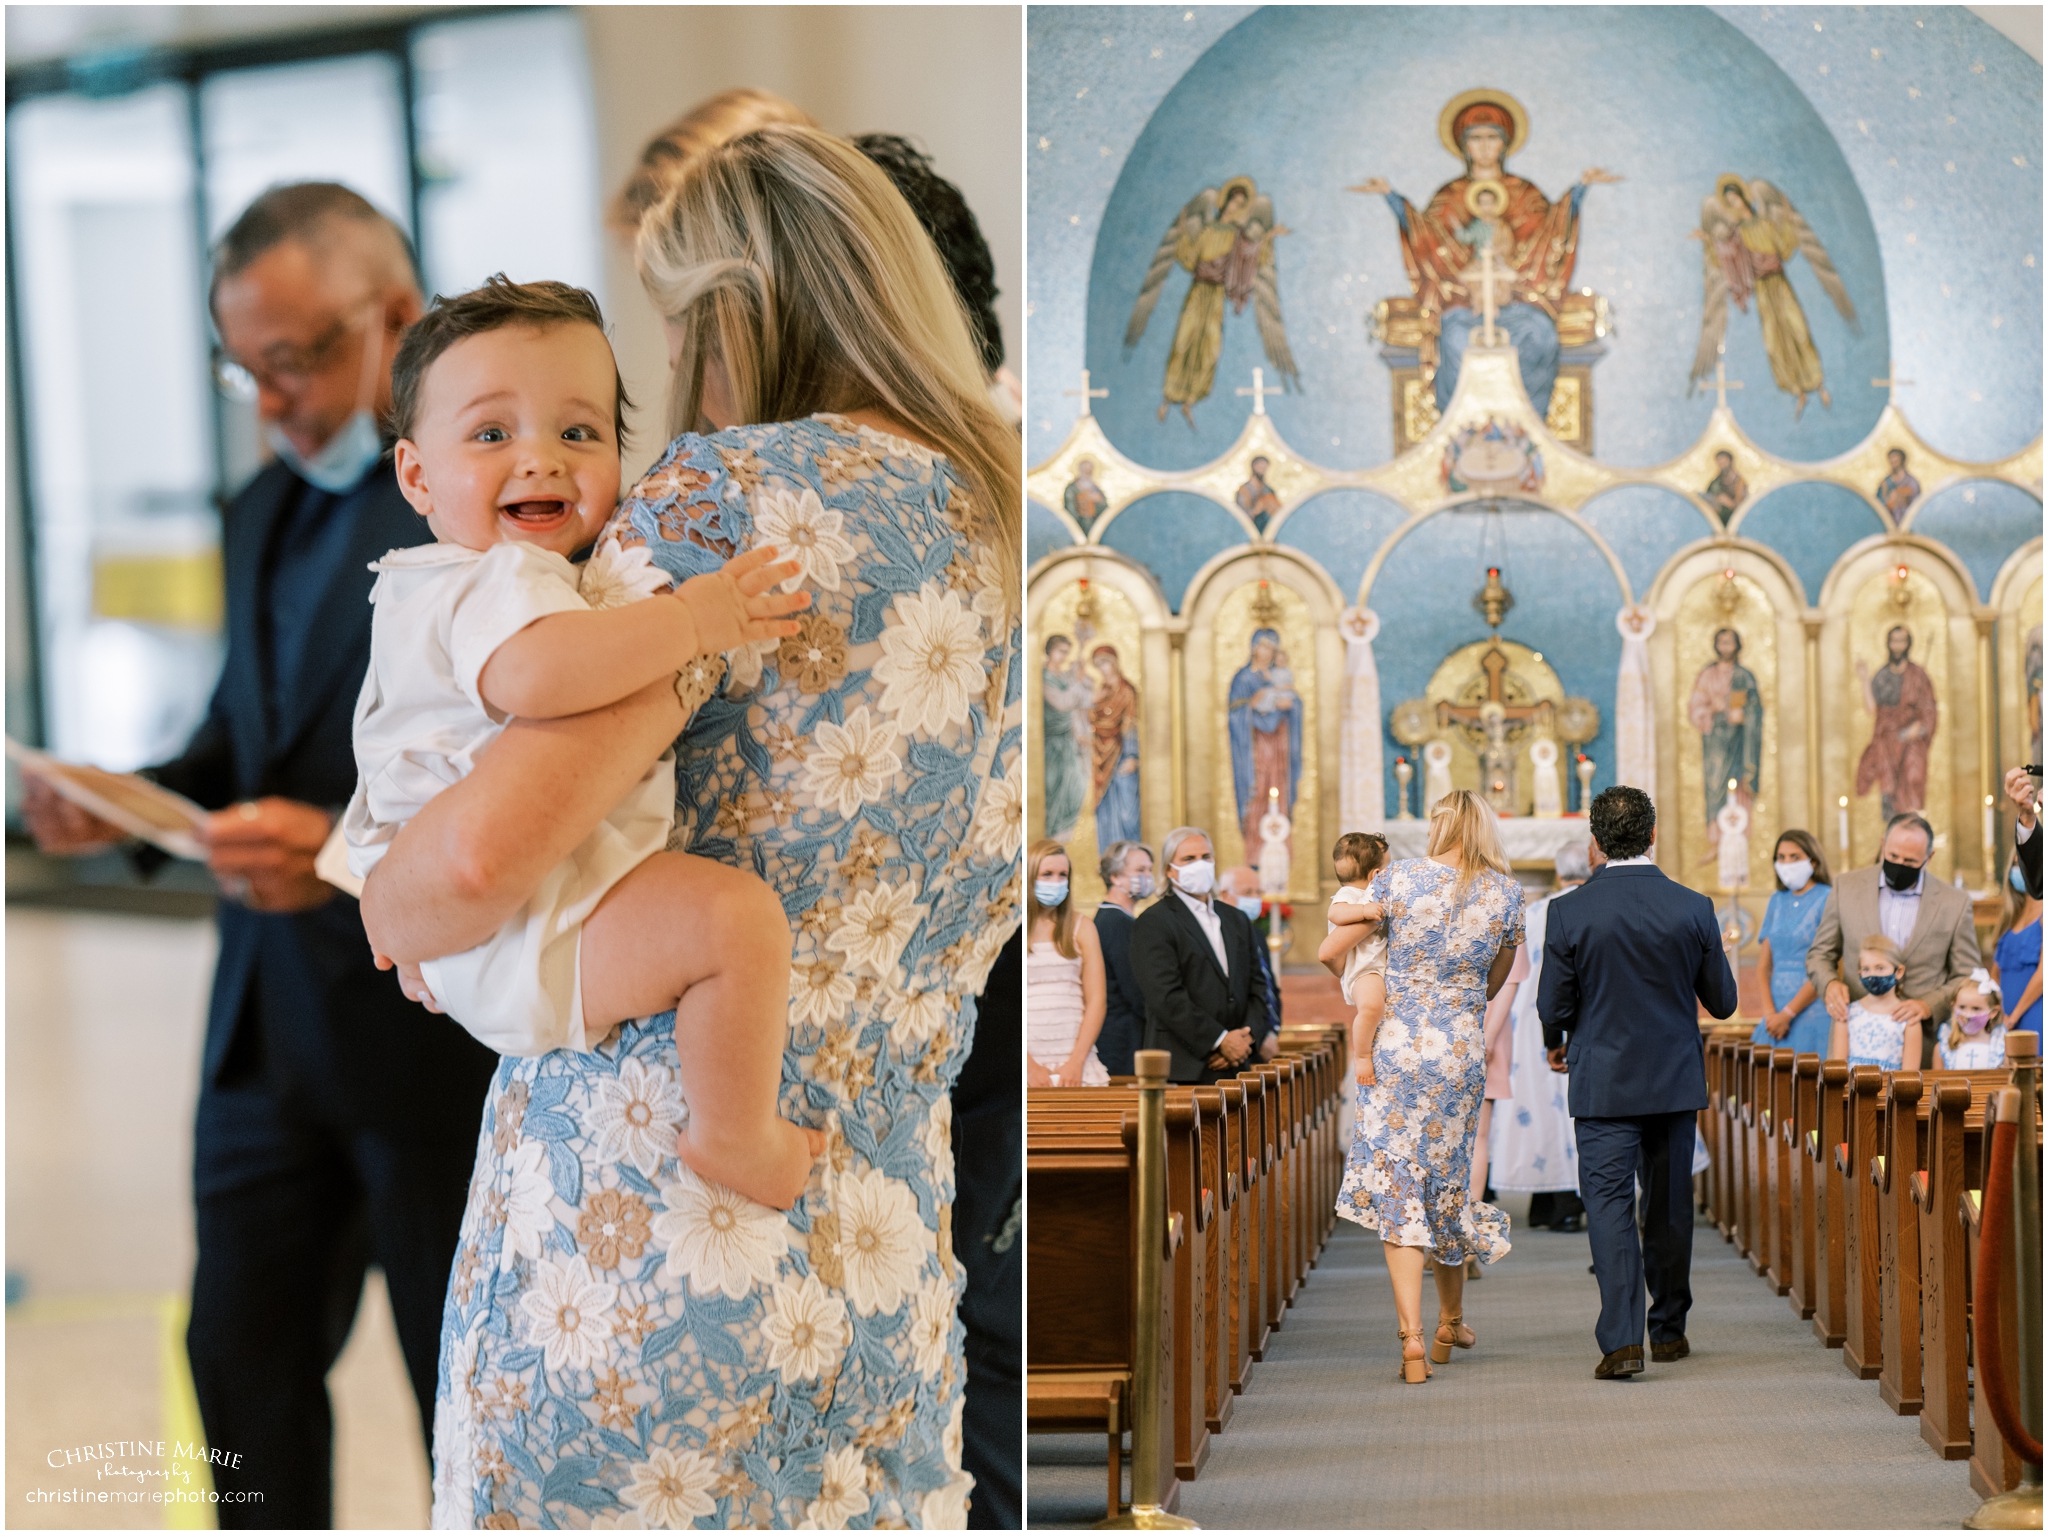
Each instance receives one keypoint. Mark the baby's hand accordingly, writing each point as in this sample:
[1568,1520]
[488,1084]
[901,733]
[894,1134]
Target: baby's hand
[736,605]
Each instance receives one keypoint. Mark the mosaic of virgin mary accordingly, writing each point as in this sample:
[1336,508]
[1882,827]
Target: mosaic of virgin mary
[1265,733]
[1535,244]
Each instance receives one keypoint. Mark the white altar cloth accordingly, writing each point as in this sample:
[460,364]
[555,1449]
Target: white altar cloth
[1527,839]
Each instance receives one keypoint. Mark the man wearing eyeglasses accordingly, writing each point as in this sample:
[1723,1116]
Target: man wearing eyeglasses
[337,1122]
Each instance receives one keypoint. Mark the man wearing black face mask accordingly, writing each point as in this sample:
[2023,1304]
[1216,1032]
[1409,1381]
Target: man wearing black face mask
[1930,921]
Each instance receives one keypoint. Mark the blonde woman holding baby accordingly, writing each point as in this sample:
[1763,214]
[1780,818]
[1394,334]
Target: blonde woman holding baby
[827,401]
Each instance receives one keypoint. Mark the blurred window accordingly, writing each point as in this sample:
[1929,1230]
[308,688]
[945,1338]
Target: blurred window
[122,170]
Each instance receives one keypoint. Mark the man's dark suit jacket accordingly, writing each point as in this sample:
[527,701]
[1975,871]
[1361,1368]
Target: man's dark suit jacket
[331,1029]
[2029,853]
[1625,962]
[1123,1010]
[1188,1000]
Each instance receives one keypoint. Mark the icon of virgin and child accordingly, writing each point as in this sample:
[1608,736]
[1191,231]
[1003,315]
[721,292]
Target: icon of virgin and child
[1265,736]
[1534,244]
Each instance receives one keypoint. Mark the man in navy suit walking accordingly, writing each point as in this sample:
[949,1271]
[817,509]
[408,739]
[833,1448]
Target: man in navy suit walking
[1626,963]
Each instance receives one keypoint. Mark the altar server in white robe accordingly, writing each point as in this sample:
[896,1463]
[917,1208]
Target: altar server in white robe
[1533,1150]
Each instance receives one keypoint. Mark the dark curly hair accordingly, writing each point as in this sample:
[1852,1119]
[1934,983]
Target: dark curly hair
[1622,821]
[952,226]
[496,305]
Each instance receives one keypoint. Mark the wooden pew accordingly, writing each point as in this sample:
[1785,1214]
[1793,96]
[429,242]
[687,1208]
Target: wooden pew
[1722,1097]
[1774,1111]
[1083,1202]
[1995,1466]
[1830,1242]
[1862,1342]
[1741,1164]
[1756,1114]
[1892,1173]
[1060,1118]
[1803,1230]
[1944,1275]
[1897,1174]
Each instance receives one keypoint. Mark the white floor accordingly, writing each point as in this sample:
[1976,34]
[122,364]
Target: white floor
[105,1016]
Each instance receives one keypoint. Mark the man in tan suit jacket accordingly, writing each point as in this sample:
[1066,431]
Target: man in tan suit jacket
[1932,923]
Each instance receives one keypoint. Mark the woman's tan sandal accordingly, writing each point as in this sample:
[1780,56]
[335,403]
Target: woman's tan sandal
[1414,1371]
[1440,1349]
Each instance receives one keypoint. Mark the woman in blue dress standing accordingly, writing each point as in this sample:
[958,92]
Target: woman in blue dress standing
[1795,1018]
[2016,953]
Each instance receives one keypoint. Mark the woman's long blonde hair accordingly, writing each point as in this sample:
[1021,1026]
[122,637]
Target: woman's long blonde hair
[1463,823]
[1062,915]
[789,257]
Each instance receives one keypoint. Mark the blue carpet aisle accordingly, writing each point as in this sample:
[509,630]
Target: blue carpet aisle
[1761,1427]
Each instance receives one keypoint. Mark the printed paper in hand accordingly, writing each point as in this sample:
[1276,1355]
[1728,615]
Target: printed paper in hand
[137,806]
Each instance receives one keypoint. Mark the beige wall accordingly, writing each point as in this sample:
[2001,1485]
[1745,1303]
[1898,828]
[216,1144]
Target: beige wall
[947,77]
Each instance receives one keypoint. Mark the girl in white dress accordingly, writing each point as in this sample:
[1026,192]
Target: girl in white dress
[1975,1037]
[1064,992]
[508,404]
[1874,1034]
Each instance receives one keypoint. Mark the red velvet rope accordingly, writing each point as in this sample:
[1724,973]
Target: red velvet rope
[1991,1247]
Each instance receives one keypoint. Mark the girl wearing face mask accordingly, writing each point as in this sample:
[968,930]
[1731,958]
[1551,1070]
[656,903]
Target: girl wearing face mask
[1975,1037]
[1063,986]
[2016,953]
[1795,1018]
[1874,1033]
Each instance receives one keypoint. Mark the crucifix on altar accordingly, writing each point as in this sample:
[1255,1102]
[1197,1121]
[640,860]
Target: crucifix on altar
[1499,701]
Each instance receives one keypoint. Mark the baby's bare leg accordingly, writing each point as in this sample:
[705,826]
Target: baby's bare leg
[711,942]
[1371,991]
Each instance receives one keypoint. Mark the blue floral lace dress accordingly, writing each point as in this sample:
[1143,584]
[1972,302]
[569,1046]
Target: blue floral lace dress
[1410,1169]
[624,1344]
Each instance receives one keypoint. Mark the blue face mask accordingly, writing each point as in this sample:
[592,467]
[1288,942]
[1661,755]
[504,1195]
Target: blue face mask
[1049,892]
[339,467]
[2018,879]
[1878,985]
[1251,906]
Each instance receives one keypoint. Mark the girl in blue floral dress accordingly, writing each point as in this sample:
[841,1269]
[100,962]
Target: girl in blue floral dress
[1797,1019]
[626,1344]
[1453,923]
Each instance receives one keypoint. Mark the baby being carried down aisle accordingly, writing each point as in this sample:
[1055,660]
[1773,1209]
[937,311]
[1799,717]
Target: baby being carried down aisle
[1355,948]
[509,411]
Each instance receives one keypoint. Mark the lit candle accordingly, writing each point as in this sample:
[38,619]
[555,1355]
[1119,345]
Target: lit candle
[1990,840]
[1842,808]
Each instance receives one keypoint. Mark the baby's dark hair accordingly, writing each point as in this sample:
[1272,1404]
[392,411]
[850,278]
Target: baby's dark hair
[497,305]
[1365,851]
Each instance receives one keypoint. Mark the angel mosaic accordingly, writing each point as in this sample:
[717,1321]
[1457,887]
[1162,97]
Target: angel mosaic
[1224,239]
[1750,230]
[1534,241]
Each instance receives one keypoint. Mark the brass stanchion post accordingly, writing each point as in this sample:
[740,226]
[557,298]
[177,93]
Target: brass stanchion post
[1146,1384]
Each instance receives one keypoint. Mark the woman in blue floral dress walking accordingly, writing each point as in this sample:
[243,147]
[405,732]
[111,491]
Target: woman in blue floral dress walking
[1453,921]
[626,1345]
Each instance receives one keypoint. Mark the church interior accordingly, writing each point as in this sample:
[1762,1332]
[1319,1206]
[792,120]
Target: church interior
[1687,436]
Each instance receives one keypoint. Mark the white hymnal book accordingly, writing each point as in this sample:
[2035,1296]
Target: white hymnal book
[139,807]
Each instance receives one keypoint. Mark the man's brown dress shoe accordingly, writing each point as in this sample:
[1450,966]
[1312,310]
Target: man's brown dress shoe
[1620,1364]
[1664,1353]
